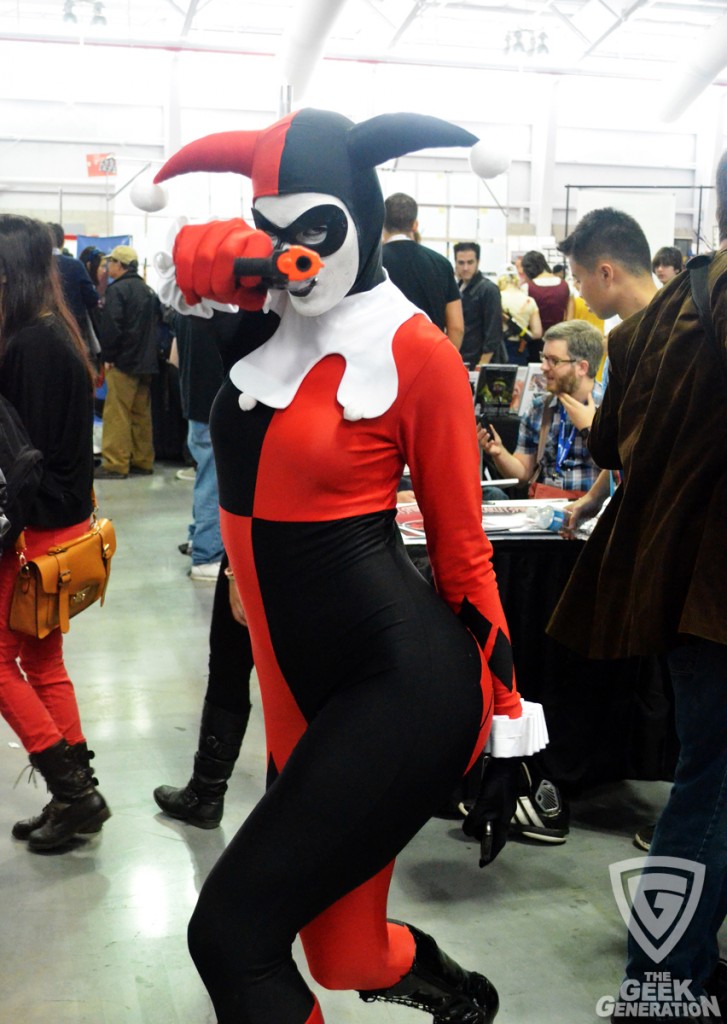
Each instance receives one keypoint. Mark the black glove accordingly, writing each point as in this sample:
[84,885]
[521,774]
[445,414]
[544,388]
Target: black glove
[490,816]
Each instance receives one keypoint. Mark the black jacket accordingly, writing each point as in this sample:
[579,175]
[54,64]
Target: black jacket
[482,310]
[48,383]
[203,345]
[129,323]
[78,288]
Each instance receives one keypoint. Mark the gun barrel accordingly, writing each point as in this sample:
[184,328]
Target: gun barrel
[295,263]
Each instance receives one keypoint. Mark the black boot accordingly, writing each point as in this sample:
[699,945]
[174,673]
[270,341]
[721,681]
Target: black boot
[201,802]
[441,987]
[83,757]
[77,805]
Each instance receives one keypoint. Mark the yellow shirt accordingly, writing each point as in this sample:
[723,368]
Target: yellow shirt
[582,312]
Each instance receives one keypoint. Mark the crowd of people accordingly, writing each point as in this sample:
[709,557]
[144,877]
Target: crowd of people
[354,702]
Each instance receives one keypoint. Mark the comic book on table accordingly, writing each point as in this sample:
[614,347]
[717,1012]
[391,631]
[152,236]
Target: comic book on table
[517,391]
[534,384]
[495,388]
[411,523]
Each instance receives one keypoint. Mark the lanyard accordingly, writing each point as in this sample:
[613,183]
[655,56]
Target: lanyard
[564,443]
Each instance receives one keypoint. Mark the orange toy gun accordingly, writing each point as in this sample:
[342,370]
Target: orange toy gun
[296,263]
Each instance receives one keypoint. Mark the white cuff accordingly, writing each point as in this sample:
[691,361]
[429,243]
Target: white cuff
[518,737]
[169,292]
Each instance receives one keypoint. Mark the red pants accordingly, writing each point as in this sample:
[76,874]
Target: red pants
[36,696]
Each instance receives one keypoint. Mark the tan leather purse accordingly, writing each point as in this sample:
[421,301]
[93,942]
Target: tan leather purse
[51,589]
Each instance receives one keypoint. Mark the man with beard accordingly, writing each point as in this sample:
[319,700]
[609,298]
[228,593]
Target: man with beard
[572,353]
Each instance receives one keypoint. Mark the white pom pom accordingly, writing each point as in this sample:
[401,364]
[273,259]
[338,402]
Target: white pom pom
[487,161]
[352,413]
[246,402]
[147,196]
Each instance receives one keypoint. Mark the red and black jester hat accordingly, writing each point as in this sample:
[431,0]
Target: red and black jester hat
[322,151]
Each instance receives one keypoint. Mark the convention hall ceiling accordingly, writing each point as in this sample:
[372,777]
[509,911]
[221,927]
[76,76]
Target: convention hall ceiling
[641,38]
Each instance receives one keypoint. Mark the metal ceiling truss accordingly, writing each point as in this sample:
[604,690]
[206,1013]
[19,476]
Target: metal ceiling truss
[459,33]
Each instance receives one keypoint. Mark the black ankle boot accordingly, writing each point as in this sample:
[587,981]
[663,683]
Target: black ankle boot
[201,802]
[441,987]
[77,805]
[22,829]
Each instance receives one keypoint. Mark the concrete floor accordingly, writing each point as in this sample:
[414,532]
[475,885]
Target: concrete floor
[96,935]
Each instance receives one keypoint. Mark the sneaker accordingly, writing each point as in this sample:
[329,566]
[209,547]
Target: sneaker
[540,813]
[186,474]
[105,474]
[644,836]
[206,572]
[138,471]
[186,548]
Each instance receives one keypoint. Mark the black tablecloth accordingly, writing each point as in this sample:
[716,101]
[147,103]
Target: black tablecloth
[607,720]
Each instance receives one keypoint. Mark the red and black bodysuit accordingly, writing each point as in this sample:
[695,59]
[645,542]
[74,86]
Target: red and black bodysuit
[377,690]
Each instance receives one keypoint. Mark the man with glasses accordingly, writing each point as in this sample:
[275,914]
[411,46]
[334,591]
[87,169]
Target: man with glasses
[572,353]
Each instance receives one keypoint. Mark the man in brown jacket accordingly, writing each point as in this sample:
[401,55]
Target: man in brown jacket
[609,259]
[652,579]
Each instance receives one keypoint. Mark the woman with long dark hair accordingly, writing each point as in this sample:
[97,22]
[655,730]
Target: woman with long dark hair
[46,375]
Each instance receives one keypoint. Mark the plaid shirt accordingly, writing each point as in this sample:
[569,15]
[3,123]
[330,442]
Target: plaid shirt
[579,470]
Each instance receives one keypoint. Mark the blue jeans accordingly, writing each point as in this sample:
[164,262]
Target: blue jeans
[204,531]
[693,825]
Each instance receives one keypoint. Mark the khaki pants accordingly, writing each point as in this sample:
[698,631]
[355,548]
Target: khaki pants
[127,431]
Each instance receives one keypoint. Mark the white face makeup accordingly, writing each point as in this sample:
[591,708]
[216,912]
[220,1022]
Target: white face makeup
[341,265]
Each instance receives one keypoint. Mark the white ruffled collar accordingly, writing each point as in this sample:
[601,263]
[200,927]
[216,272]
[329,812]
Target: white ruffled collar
[360,328]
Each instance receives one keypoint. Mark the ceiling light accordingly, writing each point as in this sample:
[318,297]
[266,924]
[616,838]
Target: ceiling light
[68,14]
[518,45]
[99,18]
[542,46]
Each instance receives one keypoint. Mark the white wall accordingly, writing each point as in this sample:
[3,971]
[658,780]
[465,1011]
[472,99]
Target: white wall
[60,103]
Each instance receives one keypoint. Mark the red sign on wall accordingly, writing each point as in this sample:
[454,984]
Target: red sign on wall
[100,165]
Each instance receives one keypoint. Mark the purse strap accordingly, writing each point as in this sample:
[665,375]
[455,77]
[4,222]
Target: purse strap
[64,586]
[542,441]
[20,541]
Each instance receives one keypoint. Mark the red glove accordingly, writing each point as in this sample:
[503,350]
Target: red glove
[203,259]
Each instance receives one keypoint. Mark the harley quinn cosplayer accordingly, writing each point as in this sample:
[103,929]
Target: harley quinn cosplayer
[378,691]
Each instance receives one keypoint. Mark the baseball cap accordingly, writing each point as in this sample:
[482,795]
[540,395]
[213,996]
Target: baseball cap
[124,254]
